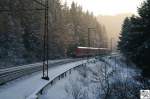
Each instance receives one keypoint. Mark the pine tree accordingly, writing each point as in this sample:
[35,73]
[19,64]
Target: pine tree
[144,49]
[135,38]
[21,31]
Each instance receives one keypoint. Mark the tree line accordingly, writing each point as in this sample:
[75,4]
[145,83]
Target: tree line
[135,38]
[22,29]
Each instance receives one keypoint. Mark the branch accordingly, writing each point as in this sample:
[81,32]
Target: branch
[39,3]
[6,10]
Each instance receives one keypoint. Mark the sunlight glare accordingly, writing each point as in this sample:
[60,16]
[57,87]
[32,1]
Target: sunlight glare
[109,7]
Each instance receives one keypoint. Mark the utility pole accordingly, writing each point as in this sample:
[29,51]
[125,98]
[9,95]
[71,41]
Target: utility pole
[111,44]
[88,37]
[89,42]
[46,44]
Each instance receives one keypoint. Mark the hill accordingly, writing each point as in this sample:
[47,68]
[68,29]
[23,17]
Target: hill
[113,25]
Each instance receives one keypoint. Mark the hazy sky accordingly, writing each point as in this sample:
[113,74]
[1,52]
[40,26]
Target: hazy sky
[109,7]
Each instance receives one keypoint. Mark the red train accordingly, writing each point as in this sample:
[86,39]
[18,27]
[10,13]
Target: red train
[90,51]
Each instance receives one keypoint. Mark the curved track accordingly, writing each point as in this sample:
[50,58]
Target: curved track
[9,74]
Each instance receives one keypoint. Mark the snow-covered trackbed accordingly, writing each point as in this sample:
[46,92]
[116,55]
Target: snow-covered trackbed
[9,74]
[32,87]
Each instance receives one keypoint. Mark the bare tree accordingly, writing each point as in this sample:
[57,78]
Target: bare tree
[76,91]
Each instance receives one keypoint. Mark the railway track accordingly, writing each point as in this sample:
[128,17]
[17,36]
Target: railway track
[9,74]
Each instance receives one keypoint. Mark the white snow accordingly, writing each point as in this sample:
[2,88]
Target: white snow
[31,65]
[29,85]
[58,91]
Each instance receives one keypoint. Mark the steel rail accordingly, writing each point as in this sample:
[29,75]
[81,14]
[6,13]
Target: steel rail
[16,72]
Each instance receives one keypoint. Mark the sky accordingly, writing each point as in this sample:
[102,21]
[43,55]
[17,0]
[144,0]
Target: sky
[109,7]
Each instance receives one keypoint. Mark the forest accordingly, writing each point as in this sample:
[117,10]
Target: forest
[22,28]
[135,38]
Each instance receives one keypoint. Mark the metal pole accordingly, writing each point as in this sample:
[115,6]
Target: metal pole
[111,44]
[95,39]
[88,37]
[47,36]
[46,45]
[96,43]
[88,43]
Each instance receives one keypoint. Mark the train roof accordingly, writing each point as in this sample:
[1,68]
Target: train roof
[80,47]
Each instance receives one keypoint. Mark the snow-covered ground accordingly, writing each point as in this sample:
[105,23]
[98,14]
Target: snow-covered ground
[94,81]
[26,86]
[58,90]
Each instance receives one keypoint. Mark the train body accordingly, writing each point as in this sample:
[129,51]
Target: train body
[90,51]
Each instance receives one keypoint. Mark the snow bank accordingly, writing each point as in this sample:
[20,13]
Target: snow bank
[89,83]
[31,84]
